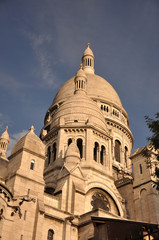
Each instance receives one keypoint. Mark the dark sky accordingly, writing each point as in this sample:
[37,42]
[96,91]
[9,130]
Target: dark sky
[41,45]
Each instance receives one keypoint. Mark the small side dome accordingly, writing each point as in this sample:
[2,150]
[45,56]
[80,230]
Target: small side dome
[31,142]
[73,150]
[72,153]
[5,135]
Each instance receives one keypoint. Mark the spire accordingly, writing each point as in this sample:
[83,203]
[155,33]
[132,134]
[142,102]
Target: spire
[88,60]
[4,140]
[80,81]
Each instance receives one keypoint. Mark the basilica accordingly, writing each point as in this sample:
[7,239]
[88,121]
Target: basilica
[79,179]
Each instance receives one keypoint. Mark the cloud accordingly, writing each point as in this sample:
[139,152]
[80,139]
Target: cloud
[40,44]
[9,82]
[13,140]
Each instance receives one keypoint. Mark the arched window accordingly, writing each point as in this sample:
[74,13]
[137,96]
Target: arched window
[104,108]
[126,155]
[101,107]
[54,150]
[49,154]
[102,155]
[117,150]
[140,169]
[96,151]
[50,234]
[32,164]
[80,146]
[69,141]
[107,109]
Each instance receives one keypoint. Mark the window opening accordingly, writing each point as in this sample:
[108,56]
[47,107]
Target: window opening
[50,234]
[102,153]
[132,168]
[28,192]
[25,213]
[69,141]
[117,150]
[140,169]
[32,164]
[96,150]
[126,156]
[49,154]
[80,146]
[54,151]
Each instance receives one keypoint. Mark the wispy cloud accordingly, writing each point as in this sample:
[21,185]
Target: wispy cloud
[40,44]
[13,140]
[9,82]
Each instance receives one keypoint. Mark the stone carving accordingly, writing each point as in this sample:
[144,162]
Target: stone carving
[100,201]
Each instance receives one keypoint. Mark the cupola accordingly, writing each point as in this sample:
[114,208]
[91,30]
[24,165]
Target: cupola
[4,140]
[80,81]
[88,60]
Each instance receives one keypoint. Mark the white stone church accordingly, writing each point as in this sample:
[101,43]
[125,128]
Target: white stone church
[76,180]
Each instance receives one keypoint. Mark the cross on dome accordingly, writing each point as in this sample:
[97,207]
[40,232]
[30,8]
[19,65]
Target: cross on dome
[32,128]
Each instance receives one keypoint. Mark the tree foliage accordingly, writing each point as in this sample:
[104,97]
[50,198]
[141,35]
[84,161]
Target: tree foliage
[153,148]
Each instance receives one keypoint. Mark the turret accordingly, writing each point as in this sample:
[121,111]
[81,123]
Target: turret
[4,140]
[80,81]
[88,60]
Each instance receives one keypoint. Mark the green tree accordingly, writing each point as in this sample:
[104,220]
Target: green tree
[153,147]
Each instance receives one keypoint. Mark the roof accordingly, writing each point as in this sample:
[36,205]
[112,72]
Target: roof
[97,88]
[31,142]
[81,109]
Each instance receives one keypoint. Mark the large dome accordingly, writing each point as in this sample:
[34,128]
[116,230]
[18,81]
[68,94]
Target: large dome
[97,88]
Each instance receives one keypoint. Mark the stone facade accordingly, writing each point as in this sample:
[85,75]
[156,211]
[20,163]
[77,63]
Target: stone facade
[79,167]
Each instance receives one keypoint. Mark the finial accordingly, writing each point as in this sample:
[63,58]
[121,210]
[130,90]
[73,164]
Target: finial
[88,44]
[6,128]
[32,128]
[80,66]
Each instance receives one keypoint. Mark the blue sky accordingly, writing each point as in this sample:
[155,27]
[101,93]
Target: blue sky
[41,44]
